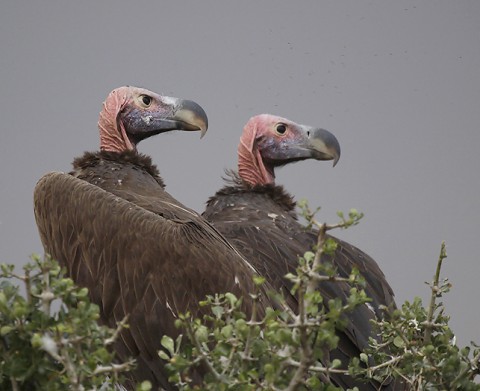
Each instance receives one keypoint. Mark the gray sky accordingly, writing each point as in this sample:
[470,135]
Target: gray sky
[396,81]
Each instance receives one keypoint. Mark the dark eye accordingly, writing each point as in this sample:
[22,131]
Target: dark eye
[281,128]
[146,100]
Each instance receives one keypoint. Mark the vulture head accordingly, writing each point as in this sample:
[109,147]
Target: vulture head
[269,141]
[131,114]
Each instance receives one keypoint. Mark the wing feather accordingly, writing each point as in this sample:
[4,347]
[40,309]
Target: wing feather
[149,264]
[267,234]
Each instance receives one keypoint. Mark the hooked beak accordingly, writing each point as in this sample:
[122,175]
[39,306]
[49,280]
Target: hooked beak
[190,116]
[322,144]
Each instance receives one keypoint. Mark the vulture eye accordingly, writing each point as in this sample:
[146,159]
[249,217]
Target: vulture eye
[281,128]
[146,100]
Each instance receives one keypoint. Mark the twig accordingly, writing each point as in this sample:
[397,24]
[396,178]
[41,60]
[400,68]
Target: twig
[321,278]
[115,368]
[120,327]
[248,342]
[14,384]
[435,289]
[316,368]
[203,357]
[305,350]
[322,231]
[28,287]
[304,292]
[393,360]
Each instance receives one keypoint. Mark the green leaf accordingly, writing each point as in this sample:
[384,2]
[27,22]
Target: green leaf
[258,280]
[163,355]
[309,256]
[218,311]
[144,386]
[20,309]
[364,358]
[6,330]
[36,340]
[227,331]
[201,334]
[291,277]
[232,299]
[3,298]
[313,382]
[269,370]
[168,344]
[336,363]
[398,342]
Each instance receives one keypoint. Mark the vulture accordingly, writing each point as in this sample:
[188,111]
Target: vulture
[138,250]
[258,217]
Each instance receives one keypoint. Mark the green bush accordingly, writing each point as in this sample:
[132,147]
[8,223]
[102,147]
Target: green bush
[283,351]
[46,349]
[50,338]
[422,346]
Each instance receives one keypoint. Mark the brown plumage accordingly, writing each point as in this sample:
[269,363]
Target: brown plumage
[117,231]
[259,219]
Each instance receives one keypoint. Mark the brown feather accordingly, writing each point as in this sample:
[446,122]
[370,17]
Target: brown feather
[261,222]
[139,251]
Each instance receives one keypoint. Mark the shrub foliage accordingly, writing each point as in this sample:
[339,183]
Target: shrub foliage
[50,338]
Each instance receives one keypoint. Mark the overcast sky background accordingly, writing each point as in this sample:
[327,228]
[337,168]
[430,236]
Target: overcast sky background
[398,83]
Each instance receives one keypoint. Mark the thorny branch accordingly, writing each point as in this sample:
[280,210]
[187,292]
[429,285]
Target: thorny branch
[436,289]
[305,291]
[203,357]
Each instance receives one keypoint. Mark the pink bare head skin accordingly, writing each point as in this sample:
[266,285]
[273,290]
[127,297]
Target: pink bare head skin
[113,136]
[131,114]
[269,141]
[251,166]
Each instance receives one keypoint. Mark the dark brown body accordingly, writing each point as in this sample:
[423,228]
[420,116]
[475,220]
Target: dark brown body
[261,223]
[139,251]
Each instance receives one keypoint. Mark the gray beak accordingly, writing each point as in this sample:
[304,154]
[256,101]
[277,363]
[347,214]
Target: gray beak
[323,144]
[190,116]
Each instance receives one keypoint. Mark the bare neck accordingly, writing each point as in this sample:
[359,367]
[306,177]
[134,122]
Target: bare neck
[251,166]
[113,137]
